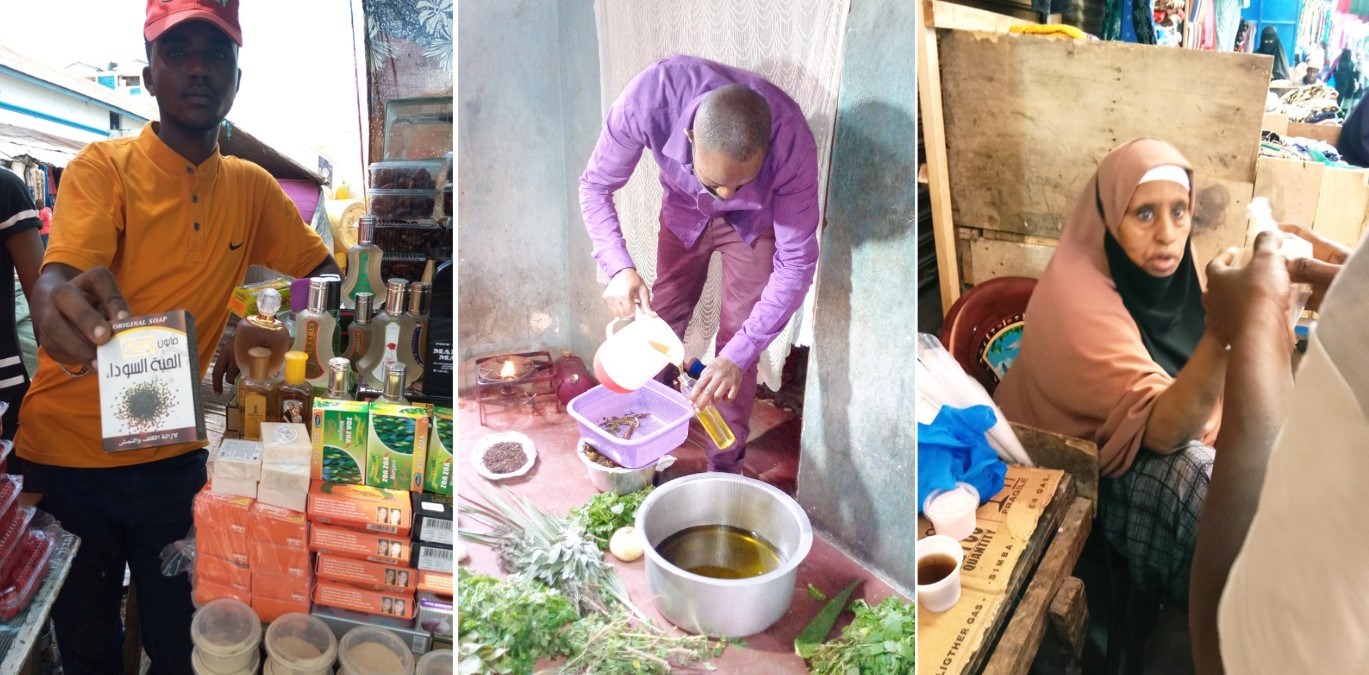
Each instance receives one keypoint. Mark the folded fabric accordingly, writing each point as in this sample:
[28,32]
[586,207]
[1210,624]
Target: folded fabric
[953,448]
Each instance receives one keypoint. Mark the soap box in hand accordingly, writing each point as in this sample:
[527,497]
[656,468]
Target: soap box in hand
[150,383]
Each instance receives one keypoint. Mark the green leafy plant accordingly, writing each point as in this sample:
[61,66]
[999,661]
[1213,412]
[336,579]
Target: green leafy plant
[605,512]
[807,642]
[505,626]
[879,641]
[614,645]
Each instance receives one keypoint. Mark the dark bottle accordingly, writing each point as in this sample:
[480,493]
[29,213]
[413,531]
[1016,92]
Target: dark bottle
[437,359]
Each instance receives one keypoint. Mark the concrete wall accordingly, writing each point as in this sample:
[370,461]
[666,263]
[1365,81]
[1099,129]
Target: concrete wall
[79,120]
[528,115]
[857,474]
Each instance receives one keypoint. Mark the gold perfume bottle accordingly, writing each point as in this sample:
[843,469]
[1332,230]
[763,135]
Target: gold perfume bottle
[259,393]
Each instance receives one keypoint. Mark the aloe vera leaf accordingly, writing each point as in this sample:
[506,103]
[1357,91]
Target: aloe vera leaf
[816,631]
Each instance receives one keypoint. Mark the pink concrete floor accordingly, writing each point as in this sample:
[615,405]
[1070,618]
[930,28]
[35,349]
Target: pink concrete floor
[559,481]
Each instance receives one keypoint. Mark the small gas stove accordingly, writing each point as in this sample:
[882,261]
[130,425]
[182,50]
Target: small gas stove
[515,380]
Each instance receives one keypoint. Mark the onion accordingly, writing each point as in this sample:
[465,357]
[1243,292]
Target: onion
[625,544]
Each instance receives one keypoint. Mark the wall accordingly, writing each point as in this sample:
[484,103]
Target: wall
[79,120]
[528,116]
[857,473]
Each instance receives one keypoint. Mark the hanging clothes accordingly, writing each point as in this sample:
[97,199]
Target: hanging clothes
[1228,16]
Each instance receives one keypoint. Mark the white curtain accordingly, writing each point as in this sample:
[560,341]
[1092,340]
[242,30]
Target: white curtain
[796,44]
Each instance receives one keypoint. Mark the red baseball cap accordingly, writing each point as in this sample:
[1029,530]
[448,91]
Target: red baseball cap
[164,14]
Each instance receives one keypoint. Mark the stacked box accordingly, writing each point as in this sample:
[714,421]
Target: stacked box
[361,535]
[441,448]
[397,449]
[282,573]
[339,438]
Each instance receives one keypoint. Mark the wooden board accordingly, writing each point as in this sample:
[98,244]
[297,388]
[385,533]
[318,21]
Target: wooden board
[1343,205]
[1276,122]
[1075,456]
[1333,201]
[1322,132]
[1029,117]
[934,144]
[984,256]
[962,17]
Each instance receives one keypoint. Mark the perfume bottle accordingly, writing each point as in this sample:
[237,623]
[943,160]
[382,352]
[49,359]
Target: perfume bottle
[420,299]
[392,339]
[394,385]
[315,330]
[262,330]
[708,416]
[363,264]
[339,379]
[259,393]
[296,396]
[359,339]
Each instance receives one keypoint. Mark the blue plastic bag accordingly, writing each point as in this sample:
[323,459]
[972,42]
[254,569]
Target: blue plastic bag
[953,448]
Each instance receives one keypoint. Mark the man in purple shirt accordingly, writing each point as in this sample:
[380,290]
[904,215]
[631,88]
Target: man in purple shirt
[739,169]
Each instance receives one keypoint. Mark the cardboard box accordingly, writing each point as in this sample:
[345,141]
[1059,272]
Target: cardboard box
[270,609]
[435,614]
[243,301]
[221,523]
[268,557]
[397,449]
[339,441]
[358,506]
[278,526]
[433,518]
[371,575]
[149,383]
[382,548]
[238,459]
[287,587]
[223,572]
[343,596]
[435,582]
[235,487]
[441,448]
[207,591]
[433,557]
[283,443]
[342,621]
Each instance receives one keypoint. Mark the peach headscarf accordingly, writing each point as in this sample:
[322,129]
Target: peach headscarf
[1083,369]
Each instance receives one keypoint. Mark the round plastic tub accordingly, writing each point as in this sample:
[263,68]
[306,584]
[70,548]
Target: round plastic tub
[299,644]
[953,512]
[226,634]
[197,664]
[436,662]
[368,650]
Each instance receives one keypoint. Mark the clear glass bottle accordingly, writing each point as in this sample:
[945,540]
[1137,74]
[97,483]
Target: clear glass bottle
[259,393]
[392,337]
[296,396]
[262,330]
[362,329]
[394,385]
[363,264]
[420,300]
[339,380]
[709,417]
[315,333]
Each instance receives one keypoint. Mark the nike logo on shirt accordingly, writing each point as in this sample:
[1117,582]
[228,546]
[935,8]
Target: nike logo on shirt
[234,247]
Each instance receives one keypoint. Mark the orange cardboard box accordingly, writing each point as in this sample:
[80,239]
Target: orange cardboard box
[223,572]
[435,582]
[279,559]
[372,575]
[287,587]
[381,548]
[394,605]
[369,508]
[208,591]
[218,512]
[275,525]
[270,609]
[223,545]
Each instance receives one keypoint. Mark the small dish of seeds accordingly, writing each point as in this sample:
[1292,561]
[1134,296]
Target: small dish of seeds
[503,455]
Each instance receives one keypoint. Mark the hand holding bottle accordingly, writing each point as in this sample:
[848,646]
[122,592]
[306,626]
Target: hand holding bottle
[721,380]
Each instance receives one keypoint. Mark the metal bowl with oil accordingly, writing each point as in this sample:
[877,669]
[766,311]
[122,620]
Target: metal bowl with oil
[723,552]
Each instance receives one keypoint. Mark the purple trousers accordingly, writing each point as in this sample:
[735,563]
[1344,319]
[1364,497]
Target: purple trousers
[680,276]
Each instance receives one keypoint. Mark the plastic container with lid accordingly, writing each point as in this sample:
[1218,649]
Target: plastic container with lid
[419,174]
[436,662]
[952,512]
[369,650]
[415,205]
[226,633]
[199,664]
[299,644]
[25,574]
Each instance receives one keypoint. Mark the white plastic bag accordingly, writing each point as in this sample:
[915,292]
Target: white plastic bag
[941,381]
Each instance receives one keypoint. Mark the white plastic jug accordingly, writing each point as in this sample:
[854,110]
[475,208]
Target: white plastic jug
[634,354]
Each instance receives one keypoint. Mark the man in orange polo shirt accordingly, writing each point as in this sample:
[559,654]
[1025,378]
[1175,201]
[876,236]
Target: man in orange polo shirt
[148,224]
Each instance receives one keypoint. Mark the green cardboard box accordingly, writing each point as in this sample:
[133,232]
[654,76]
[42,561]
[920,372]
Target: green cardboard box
[398,447]
[340,435]
[441,447]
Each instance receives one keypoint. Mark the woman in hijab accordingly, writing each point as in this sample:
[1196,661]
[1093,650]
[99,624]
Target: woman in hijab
[1115,350]
[1347,79]
[1270,44]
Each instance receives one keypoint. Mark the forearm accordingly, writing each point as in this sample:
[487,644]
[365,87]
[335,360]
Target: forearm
[328,266]
[1182,410]
[1259,382]
[604,229]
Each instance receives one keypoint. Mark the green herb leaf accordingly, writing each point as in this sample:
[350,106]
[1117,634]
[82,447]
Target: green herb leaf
[606,512]
[879,641]
[816,631]
[816,593]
